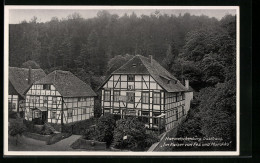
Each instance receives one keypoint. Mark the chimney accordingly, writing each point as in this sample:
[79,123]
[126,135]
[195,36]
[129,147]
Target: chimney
[151,59]
[30,75]
[187,84]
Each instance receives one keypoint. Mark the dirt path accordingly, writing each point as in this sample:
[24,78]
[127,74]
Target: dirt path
[29,144]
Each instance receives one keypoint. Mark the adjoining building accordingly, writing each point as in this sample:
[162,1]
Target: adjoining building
[143,88]
[59,98]
[20,79]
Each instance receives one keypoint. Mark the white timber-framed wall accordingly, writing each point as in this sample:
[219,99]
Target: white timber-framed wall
[150,100]
[46,96]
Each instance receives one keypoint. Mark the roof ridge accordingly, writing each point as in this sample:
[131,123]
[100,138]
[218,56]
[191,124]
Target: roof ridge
[67,84]
[124,64]
[25,68]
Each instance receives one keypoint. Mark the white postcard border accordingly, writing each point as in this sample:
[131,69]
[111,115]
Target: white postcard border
[102,153]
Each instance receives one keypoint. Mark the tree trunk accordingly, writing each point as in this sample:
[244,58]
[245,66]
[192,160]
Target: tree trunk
[16,142]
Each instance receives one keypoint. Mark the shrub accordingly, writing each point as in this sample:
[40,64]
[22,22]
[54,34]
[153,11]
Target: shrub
[105,128]
[151,138]
[79,128]
[30,127]
[13,114]
[88,145]
[57,137]
[90,134]
[16,128]
[46,130]
[130,134]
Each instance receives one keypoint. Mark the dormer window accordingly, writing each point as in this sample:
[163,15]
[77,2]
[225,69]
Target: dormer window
[46,86]
[130,78]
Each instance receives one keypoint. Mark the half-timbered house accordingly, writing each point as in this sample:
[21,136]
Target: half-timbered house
[142,87]
[20,79]
[59,98]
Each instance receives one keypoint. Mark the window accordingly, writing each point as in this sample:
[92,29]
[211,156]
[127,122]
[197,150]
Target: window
[37,99]
[130,97]
[54,100]
[130,78]
[156,98]
[32,99]
[155,119]
[107,96]
[74,112]
[81,99]
[45,99]
[183,96]
[177,116]
[46,86]
[116,111]
[145,117]
[84,110]
[53,114]
[178,97]
[11,105]
[174,98]
[145,97]
[37,114]
[69,113]
[116,95]
[106,111]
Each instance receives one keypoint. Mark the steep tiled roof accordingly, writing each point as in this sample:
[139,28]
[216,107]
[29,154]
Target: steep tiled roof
[18,77]
[143,65]
[67,84]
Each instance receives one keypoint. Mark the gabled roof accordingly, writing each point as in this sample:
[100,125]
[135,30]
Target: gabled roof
[143,65]
[18,78]
[67,84]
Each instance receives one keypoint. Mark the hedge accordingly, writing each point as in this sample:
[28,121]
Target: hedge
[88,145]
[37,136]
[57,137]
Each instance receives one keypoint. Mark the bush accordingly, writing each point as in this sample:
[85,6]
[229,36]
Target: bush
[16,128]
[130,134]
[13,114]
[30,127]
[105,128]
[46,130]
[89,145]
[79,128]
[57,137]
[90,134]
[151,138]
[37,136]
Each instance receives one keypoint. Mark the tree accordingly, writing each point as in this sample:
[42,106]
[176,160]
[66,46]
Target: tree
[105,128]
[16,128]
[130,133]
[31,64]
[171,55]
[116,62]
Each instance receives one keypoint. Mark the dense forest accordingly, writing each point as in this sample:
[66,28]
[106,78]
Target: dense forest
[197,48]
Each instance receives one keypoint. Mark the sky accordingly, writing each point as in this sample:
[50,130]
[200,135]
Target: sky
[16,16]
